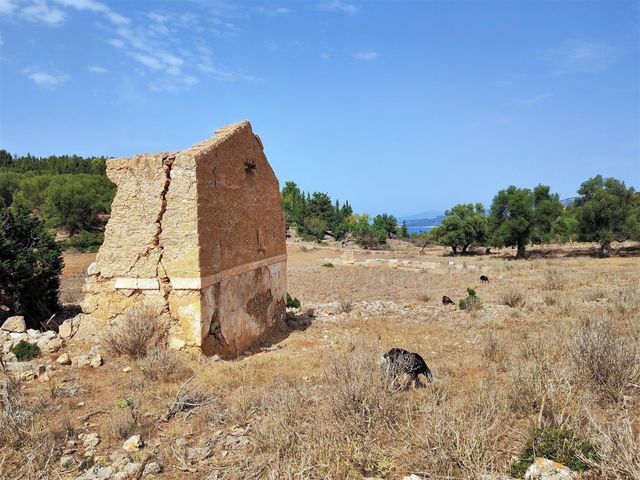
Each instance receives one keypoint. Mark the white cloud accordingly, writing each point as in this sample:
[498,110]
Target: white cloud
[580,56]
[147,60]
[531,101]
[40,11]
[1,41]
[45,79]
[365,56]
[95,7]
[116,42]
[339,6]
[96,69]
[7,7]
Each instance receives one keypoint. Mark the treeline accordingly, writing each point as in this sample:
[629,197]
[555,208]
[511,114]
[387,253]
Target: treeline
[315,216]
[605,211]
[70,193]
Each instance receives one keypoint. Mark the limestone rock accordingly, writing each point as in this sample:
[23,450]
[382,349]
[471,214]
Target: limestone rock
[544,469]
[152,468]
[82,361]
[133,444]
[198,454]
[90,440]
[96,361]
[64,359]
[15,324]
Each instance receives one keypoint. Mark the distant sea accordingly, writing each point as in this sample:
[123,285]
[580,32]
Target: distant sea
[420,229]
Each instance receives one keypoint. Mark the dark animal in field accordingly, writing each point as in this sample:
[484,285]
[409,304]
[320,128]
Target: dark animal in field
[447,301]
[484,279]
[397,362]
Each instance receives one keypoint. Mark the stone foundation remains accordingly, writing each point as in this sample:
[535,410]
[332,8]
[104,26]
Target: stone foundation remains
[198,235]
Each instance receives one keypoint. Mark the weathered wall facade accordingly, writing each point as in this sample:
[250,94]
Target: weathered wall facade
[197,235]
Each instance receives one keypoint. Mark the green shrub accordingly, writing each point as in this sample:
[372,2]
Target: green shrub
[25,351]
[30,264]
[328,265]
[472,302]
[558,445]
[85,241]
[292,302]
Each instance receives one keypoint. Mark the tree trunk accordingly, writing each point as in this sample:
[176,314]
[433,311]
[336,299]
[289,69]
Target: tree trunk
[464,248]
[605,249]
[521,250]
[455,249]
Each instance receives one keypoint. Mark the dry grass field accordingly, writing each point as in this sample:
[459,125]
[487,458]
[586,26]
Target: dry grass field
[551,356]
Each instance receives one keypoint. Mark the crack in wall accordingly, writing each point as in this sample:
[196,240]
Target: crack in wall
[164,280]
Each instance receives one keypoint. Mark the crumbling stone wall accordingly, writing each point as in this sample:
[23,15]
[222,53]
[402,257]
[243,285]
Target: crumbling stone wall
[198,235]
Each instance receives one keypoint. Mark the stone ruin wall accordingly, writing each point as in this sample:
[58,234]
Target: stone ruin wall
[198,236]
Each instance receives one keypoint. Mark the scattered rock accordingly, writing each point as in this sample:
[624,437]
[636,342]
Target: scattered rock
[67,329]
[544,469]
[96,361]
[133,444]
[413,476]
[52,345]
[15,324]
[64,359]
[198,454]
[91,440]
[152,468]
[126,369]
[82,361]
[28,375]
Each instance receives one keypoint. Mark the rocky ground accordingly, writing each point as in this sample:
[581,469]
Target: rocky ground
[311,403]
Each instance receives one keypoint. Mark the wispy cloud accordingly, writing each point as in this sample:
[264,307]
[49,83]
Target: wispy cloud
[44,79]
[95,7]
[96,69]
[339,6]
[365,56]
[581,56]
[7,7]
[40,11]
[531,101]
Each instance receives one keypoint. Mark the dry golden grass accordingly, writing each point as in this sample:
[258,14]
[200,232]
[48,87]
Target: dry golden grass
[564,356]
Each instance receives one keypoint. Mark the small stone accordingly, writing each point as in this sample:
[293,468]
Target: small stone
[44,377]
[28,375]
[39,369]
[33,333]
[96,361]
[93,269]
[91,440]
[82,361]
[131,468]
[15,324]
[66,330]
[53,345]
[81,404]
[198,454]
[133,444]
[71,443]
[152,468]
[126,369]
[66,461]
[544,469]
[413,476]
[64,359]
[95,350]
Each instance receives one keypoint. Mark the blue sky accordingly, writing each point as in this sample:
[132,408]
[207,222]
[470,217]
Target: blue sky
[396,106]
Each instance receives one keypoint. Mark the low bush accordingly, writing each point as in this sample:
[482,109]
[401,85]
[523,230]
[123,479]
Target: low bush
[513,298]
[604,356]
[25,351]
[346,306]
[136,334]
[555,279]
[328,265]
[292,302]
[472,302]
[164,365]
[554,444]
[84,241]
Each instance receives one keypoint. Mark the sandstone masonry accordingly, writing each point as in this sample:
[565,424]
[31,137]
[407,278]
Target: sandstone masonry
[199,236]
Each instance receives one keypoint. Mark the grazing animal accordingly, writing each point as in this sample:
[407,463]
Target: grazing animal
[484,279]
[447,301]
[397,362]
